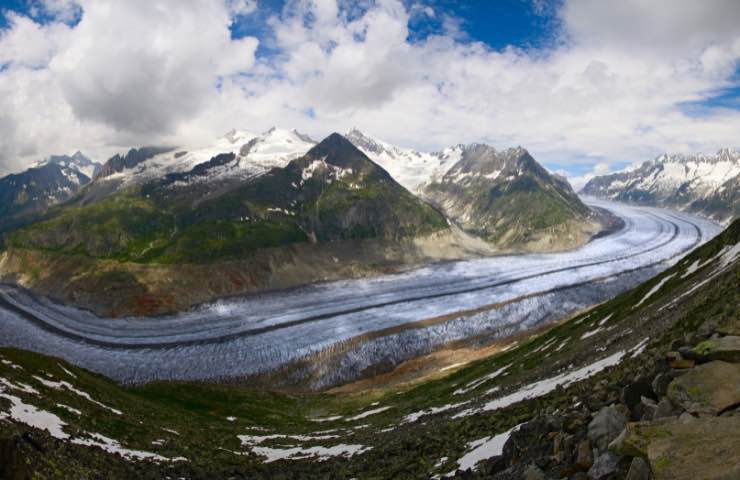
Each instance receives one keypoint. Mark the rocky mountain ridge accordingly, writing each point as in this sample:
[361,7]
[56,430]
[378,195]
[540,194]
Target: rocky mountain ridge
[707,184]
[133,233]
[504,196]
[27,194]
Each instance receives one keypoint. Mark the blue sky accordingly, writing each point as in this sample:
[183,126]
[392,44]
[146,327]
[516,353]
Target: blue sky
[585,86]
[499,24]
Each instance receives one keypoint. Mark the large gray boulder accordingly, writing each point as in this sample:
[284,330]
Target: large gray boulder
[605,427]
[707,389]
[706,448]
[604,465]
[722,348]
[639,470]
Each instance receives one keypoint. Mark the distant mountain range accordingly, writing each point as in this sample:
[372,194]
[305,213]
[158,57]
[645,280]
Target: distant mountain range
[47,183]
[277,209]
[505,197]
[705,184]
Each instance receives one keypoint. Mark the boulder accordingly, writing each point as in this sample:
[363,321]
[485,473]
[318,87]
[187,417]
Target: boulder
[648,408]
[705,448]
[533,472]
[604,465]
[660,384]
[632,393]
[639,470]
[630,442]
[664,409]
[722,348]
[584,457]
[729,326]
[682,363]
[605,427]
[707,389]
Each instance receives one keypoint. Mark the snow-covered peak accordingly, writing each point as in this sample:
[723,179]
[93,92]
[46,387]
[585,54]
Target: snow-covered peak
[239,137]
[254,154]
[675,180]
[410,168]
[77,161]
[275,148]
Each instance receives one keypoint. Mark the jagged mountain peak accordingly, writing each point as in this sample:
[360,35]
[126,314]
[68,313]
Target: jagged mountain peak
[339,151]
[703,183]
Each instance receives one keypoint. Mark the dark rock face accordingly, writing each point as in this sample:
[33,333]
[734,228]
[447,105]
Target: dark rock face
[639,470]
[632,394]
[31,192]
[660,384]
[118,163]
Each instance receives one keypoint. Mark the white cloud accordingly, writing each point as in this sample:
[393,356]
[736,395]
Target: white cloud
[163,71]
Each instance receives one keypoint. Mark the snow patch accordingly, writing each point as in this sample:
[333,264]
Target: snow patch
[368,413]
[655,288]
[476,383]
[547,385]
[483,449]
[62,384]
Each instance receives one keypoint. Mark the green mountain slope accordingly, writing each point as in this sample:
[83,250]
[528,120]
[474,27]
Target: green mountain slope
[332,193]
[579,381]
[168,242]
[508,198]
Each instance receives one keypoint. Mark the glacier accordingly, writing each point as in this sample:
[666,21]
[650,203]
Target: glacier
[240,337]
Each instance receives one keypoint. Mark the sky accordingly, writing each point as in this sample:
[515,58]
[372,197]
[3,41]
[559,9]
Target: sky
[587,87]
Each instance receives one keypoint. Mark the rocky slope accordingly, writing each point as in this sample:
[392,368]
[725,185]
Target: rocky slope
[25,195]
[505,197]
[510,200]
[643,386]
[704,184]
[133,229]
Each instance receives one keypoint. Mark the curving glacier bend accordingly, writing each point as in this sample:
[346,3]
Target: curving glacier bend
[249,335]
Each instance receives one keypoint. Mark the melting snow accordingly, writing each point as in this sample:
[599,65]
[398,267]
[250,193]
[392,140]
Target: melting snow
[476,383]
[640,347]
[33,417]
[482,449]
[67,371]
[547,385]
[655,288]
[591,333]
[69,409]
[291,452]
[368,413]
[606,319]
[62,384]
[112,446]
[326,419]
[318,453]
[412,417]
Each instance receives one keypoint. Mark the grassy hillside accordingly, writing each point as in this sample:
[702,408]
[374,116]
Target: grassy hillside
[575,368]
[333,193]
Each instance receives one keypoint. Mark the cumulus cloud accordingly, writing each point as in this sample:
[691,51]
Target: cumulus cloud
[611,88]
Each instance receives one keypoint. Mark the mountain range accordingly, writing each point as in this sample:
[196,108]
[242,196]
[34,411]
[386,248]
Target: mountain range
[49,182]
[504,197]
[277,209]
[706,184]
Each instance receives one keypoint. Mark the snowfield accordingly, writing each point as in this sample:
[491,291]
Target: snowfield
[258,333]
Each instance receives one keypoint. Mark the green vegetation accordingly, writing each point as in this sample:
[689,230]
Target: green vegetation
[159,224]
[510,213]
